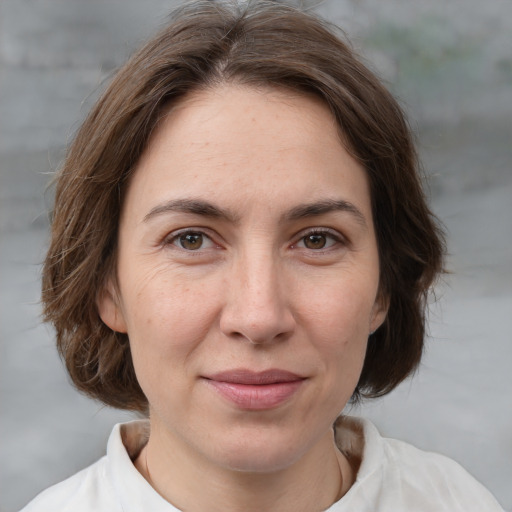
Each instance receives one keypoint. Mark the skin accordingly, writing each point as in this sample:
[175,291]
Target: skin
[256,279]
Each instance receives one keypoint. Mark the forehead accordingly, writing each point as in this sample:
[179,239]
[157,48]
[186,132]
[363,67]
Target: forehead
[242,145]
[227,114]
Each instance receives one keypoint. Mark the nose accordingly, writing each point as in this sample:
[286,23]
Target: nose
[258,303]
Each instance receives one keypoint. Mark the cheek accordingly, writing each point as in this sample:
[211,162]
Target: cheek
[338,317]
[342,306]
[167,317]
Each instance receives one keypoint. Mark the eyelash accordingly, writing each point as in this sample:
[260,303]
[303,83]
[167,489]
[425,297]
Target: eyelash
[174,238]
[337,238]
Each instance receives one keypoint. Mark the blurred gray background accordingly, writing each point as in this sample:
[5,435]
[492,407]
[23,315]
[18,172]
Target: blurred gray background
[450,63]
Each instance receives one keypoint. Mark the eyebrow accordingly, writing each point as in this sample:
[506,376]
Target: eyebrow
[323,207]
[206,209]
[192,206]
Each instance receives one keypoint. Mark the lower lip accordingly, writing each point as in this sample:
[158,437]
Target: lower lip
[256,397]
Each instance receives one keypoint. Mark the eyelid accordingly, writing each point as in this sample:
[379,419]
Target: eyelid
[170,238]
[332,233]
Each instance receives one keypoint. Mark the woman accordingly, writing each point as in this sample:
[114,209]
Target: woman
[241,246]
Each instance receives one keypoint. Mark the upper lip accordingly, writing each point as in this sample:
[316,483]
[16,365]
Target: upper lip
[250,377]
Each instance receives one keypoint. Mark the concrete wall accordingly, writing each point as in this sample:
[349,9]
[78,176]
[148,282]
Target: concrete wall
[450,62]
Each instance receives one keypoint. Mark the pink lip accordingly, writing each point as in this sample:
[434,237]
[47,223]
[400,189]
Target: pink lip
[256,391]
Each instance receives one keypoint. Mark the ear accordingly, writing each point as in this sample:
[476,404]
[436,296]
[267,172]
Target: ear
[379,312]
[109,309]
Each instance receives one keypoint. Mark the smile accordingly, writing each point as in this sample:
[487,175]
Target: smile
[256,391]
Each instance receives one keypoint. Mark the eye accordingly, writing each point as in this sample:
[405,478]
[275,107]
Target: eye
[191,240]
[318,240]
[315,241]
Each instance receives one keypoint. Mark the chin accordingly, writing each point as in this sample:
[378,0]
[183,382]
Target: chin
[256,453]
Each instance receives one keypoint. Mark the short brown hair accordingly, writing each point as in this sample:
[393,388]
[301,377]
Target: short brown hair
[259,44]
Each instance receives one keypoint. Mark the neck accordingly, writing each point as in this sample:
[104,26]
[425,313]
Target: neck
[312,483]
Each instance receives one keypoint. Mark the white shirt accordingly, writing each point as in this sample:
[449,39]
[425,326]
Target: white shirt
[393,477]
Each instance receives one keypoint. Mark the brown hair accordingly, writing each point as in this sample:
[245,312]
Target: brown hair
[206,43]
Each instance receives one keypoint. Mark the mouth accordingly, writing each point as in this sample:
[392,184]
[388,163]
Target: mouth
[255,391]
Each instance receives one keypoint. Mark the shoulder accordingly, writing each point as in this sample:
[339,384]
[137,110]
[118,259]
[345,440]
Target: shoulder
[85,491]
[440,479]
[399,476]
[95,488]
[112,484]
[416,462]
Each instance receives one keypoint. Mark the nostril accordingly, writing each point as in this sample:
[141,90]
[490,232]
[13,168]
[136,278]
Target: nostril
[256,310]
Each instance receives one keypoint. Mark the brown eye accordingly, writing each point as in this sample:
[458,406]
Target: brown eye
[191,241]
[315,241]
[320,239]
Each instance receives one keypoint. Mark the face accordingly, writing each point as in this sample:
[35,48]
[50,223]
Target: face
[247,276]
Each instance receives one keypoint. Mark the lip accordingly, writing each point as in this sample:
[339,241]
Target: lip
[256,391]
